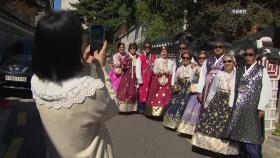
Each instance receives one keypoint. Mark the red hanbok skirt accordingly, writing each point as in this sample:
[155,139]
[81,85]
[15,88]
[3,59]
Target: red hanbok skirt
[158,97]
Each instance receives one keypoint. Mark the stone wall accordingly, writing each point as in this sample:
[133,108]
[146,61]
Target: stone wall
[271,114]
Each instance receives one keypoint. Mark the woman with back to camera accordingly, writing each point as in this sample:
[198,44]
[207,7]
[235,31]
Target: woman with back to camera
[73,106]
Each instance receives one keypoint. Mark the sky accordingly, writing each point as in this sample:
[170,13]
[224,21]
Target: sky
[57,4]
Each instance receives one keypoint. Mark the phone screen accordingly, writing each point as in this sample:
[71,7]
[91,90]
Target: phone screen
[97,35]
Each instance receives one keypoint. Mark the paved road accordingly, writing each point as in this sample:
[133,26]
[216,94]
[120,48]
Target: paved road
[140,137]
[132,136]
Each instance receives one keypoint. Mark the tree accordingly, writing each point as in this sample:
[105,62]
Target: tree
[106,12]
[163,17]
[219,17]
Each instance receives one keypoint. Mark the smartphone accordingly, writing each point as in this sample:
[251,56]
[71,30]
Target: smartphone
[97,37]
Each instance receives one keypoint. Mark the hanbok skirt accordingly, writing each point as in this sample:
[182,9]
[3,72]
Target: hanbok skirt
[210,132]
[158,97]
[190,117]
[208,82]
[177,106]
[126,93]
[115,79]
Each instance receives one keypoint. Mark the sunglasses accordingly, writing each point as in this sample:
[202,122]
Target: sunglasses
[249,54]
[202,58]
[132,48]
[227,61]
[147,47]
[218,47]
[186,58]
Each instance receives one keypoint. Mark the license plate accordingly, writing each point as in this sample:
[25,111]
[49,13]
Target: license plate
[16,78]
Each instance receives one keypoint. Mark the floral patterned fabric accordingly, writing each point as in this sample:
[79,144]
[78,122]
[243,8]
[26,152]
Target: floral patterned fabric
[214,119]
[177,105]
[126,93]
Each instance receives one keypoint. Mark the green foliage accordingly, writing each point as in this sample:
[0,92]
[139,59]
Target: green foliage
[218,17]
[277,131]
[106,12]
[165,18]
[157,28]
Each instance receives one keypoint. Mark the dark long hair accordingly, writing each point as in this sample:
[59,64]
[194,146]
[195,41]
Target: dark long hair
[57,47]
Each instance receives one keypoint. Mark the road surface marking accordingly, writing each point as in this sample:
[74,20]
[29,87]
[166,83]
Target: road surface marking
[21,118]
[14,148]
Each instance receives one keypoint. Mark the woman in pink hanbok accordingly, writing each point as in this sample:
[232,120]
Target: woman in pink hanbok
[116,72]
[159,94]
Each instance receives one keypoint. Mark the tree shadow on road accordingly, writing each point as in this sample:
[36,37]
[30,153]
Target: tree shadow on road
[212,154]
[127,113]
[185,136]
[155,118]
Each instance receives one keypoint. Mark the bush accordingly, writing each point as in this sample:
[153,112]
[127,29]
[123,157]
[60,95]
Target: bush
[277,131]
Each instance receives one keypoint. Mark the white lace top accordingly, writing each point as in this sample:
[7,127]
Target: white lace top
[63,94]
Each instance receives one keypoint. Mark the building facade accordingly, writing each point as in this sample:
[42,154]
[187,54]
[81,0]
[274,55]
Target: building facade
[18,19]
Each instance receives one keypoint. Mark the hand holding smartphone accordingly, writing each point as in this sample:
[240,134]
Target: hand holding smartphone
[97,37]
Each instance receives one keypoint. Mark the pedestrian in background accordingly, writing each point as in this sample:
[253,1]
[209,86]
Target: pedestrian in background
[73,106]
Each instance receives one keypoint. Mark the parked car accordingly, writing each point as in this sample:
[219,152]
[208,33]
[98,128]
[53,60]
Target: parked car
[15,72]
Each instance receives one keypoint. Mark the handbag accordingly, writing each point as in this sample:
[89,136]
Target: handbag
[162,80]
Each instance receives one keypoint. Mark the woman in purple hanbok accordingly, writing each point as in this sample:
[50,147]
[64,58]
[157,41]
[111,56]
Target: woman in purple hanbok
[126,93]
[211,130]
[116,72]
[190,117]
